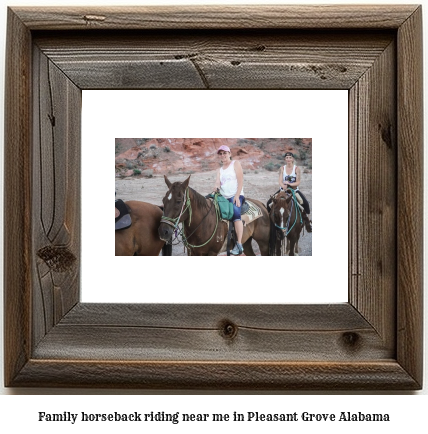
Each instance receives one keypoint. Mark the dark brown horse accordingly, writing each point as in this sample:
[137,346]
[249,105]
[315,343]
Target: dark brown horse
[287,222]
[141,238]
[204,233]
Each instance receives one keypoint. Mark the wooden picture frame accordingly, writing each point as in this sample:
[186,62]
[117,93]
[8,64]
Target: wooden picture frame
[372,342]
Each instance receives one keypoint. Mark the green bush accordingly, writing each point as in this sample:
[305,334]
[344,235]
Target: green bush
[272,167]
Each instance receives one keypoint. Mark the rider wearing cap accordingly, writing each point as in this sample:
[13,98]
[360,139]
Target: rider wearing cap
[289,177]
[230,181]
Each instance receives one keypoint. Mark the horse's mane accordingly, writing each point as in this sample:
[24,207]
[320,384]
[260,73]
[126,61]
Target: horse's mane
[200,200]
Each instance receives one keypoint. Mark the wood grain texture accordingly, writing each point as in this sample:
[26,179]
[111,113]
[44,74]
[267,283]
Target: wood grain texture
[216,60]
[410,193]
[342,317]
[216,17]
[374,183]
[385,375]
[372,342]
[199,332]
[17,220]
[56,194]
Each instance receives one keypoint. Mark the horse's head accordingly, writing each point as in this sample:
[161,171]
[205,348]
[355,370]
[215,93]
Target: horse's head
[280,211]
[174,207]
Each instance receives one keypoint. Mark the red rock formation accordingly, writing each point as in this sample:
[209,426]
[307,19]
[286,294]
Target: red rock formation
[168,156]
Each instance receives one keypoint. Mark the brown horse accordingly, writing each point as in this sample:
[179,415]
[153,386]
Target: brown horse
[204,233]
[286,219]
[141,238]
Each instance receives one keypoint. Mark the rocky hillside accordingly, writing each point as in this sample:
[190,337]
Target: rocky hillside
[149,157]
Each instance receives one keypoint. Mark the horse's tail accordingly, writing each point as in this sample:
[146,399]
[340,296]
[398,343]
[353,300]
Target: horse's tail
[167,249]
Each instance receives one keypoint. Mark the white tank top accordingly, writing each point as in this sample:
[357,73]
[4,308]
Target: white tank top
[229,181]
[290,178]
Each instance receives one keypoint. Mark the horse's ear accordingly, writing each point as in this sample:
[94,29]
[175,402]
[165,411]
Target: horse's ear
[186,182]
[288,198]
[167,181]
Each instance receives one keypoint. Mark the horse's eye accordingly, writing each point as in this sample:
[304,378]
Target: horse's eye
[178,201]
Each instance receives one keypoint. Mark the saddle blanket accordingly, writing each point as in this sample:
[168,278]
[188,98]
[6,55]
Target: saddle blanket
[253,213]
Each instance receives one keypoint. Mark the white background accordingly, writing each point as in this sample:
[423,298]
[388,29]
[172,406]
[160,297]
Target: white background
[321,115]
[20,412]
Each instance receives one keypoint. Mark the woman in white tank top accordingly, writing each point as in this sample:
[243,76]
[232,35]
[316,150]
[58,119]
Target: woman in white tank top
[289,177]
[230,181]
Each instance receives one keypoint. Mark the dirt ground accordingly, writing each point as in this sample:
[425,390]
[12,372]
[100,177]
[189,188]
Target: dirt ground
[258,184]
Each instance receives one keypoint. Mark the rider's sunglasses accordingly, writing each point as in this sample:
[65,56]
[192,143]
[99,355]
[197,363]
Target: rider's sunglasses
[222,153]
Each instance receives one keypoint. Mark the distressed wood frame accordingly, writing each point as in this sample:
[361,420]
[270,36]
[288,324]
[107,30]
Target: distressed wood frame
[372,342]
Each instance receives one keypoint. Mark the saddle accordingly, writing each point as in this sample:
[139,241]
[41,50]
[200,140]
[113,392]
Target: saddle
[249,213]
[122,214]
[245,207]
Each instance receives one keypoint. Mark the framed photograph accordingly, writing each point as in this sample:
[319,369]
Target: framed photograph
[371,341]
[214,168]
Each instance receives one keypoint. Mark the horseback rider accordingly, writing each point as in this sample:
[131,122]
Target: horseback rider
[289,177]
[230,181]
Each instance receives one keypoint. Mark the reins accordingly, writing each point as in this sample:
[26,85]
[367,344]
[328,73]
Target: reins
[185,239]
[295,204]
[174,222]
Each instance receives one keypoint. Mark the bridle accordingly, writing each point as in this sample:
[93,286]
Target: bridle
[174,222]
[187,205]
[293,204]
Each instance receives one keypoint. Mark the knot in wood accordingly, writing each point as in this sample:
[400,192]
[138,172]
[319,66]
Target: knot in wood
[94,18]
[258,48]
[58,259]
[227,329]
[351,340]
[386,134]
